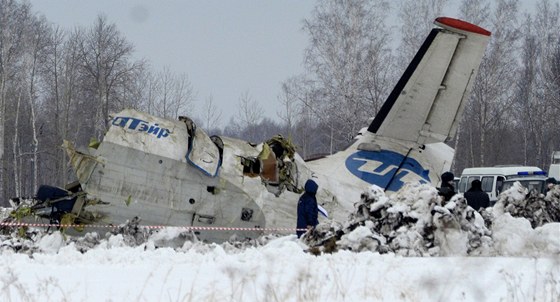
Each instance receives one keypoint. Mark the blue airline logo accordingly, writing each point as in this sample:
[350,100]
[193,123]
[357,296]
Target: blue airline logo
[385,165]
[133,123]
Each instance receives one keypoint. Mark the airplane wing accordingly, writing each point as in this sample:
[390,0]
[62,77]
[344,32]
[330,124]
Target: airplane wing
[428,100]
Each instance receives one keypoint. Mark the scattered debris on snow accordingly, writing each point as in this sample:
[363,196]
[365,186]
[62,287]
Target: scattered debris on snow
[416,222]
[413,222]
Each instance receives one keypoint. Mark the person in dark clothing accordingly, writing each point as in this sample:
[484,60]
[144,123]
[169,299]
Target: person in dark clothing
[447,189]
[476,198]
[550,183]
[307,210]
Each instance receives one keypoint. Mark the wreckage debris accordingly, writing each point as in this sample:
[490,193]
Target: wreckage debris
[538,208]
[413,222]
[416,222]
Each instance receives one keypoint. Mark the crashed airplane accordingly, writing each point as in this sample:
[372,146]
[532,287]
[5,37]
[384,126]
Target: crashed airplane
[171,173]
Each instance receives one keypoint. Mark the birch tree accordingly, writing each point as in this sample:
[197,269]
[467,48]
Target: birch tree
[106,57]
[547,25]
[211,114]
[298,114]
[168,94]
[490,101]
[250,114]
[52,78]
[347,60]
[416,21]
[12,19]
[37,43]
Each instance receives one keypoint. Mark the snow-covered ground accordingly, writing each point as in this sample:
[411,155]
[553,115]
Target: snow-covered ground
[505,260]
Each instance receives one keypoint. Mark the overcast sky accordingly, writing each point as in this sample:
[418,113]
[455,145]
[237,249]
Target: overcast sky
[225,47]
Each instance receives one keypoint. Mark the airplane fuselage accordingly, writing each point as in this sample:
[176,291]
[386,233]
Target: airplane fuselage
[144,177]
[168,172]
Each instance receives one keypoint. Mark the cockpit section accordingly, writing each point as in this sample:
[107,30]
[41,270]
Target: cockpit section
[273,161]
[204,152]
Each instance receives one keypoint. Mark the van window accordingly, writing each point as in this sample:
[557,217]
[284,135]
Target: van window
[499,183]
[487,182]
[471,178]
[462,185]
[465,183]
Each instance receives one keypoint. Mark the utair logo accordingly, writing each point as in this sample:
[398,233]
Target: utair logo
[379,168]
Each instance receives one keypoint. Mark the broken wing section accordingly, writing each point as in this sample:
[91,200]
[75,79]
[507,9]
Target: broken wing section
[428,100]
[83,164]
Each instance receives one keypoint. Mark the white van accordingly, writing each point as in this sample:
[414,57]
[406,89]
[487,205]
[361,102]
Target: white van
[554,169]
[492,178]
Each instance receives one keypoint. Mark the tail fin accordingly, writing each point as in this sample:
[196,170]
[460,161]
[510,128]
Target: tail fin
[426,104]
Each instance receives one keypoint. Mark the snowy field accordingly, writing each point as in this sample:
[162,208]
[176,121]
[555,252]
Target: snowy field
[515,262]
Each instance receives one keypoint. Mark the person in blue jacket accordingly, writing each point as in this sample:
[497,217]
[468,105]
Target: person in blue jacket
[307,210]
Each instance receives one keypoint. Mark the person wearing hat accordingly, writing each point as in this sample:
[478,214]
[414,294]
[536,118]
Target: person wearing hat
[550,183]
[307,209]
[447,189]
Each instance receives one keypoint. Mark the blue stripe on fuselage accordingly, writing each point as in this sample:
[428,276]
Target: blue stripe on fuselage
[378,167]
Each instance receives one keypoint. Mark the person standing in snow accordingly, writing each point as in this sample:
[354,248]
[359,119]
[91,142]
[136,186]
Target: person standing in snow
[307,210]
[447,189]
[476,198]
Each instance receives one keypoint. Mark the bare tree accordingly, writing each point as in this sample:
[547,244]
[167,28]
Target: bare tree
[13,17]
[298,115]
[416,19]
[490,101]
[289,110]
[36,45]
[164,106]
[132,87]
[347,62]
[170,95]
[476,12]
[53,85]
[211,114]
[106,60]
[547,24]
[148,88]
[63,113]
[183,95]
[250,114]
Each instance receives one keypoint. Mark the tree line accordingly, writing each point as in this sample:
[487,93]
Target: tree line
[58,84]
[351,66]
